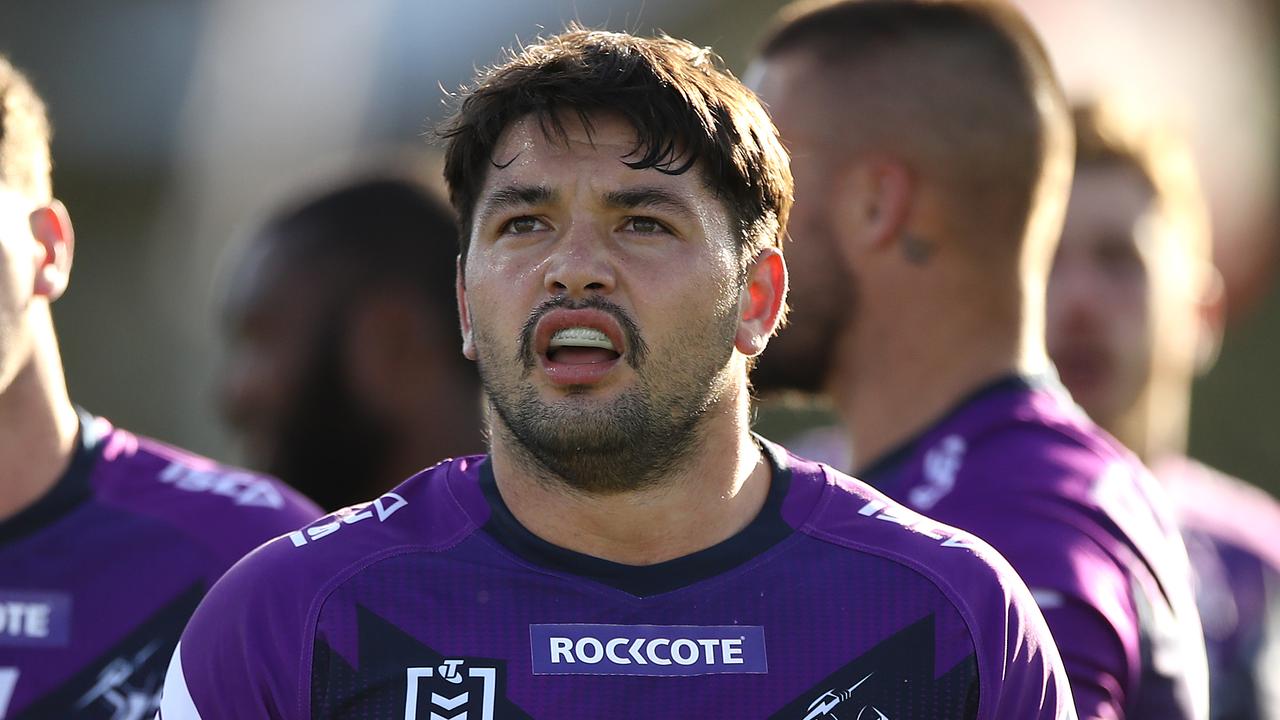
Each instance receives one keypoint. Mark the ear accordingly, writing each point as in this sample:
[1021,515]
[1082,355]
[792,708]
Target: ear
[873,199]
[464,314]
[762,301]
[1212,317]
[51,228]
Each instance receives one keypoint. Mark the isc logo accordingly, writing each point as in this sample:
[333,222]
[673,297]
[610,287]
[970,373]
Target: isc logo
[242,487]
[881,510]
[382,508]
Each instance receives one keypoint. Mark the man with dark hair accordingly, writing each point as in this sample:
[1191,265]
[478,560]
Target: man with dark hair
[931,147]
[1135,313]
[627,548]
[107,540]
[342,376]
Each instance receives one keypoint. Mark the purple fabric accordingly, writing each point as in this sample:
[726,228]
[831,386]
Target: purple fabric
[120,569]
[1232,532]
[1086,527]
[424,611]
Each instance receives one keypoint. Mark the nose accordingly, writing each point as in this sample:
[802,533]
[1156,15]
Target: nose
[581,263]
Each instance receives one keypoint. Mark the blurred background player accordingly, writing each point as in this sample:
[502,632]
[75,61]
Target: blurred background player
[107,540]
[1135,314]
[931,146]
[342,376]
[628,548]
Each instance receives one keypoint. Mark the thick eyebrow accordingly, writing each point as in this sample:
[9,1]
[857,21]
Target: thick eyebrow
[513,196]
[651,197]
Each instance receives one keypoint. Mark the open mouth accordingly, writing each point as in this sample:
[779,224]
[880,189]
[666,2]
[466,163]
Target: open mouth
[581,346]
[577,347]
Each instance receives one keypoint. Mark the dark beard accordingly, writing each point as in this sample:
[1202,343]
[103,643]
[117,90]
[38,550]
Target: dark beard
[803,354]
[331,448]
[633,443]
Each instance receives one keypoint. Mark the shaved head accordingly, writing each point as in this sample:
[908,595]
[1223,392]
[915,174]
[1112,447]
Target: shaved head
[24,136]
[960,92]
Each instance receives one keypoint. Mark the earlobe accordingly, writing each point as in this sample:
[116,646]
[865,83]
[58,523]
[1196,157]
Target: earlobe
[762,302]
[51,228]
[464,314]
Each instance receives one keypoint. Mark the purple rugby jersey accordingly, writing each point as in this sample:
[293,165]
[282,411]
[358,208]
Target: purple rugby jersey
[1232,532]
[1085,525]
[102,573]
[434,602]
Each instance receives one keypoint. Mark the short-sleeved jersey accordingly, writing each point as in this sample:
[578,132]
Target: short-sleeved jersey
[99,576]
[1232,532]
[434,602]
[1085,525]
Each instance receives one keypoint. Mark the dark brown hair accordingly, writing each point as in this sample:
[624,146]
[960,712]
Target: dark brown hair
[689,113]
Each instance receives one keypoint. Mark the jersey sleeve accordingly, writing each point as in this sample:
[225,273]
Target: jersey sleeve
[1020,671]
[1087,601]
[1123,650]
[243,651]
[1247,666]
[1264,656]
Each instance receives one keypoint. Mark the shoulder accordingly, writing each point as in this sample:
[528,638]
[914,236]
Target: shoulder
[1226,510]
[255,629]
[227,510]
[421,513]
[854,515]
[1065,470]
[1011,640]
[1044,441]
[1058,496]
[298,567]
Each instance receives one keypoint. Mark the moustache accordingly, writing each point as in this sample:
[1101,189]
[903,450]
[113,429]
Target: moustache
[634,354]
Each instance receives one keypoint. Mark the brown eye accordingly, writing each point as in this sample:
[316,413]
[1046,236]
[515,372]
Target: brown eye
[644,226]
[523,224]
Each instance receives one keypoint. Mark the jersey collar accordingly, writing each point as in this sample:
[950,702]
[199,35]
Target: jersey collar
[766,530]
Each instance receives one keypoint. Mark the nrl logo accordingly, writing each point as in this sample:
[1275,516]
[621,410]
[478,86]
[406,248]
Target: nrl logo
[450,692]
[824,707]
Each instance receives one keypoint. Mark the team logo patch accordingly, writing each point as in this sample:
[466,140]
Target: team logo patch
[651,650]
[396,676]
[827,703]
[124,681]
[34,619]
[452,690]
[898,679]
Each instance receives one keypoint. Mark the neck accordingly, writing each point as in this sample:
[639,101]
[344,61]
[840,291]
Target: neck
[1157,425]
[893,384]
[714,493]
[39,427]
